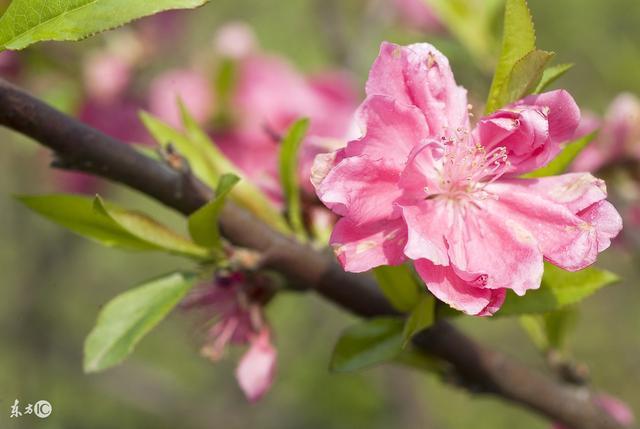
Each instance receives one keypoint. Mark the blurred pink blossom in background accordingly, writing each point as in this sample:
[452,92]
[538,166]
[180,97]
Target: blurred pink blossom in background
[238,320]
[619,135]
[190,86]
[617,409]
[487,230]
[418,15]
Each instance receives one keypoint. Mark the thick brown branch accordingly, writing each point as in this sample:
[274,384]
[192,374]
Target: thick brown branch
[85,149]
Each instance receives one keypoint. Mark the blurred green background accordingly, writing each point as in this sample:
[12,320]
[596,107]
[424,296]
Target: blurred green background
[54,283]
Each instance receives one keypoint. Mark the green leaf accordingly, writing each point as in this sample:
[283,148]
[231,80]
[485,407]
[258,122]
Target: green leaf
[524,77]
[208,163]
[203,224]
[470,22]
[518,39]
[416,359]
[421,317]
[288,164]
[368,343]
[78,215]
[150,231]
[399,286]
[111,227]
[559,288]
[551,74]
[29,21]
[562,161]
[533,325]
[130,316]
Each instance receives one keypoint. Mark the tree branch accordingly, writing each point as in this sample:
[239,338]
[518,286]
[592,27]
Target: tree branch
[82,148]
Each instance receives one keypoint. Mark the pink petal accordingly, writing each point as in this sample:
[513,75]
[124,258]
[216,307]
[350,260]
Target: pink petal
[606,221]
[187,85]
[494,250]
[235,40]
[363,190]
[616,409]
[256,369]
[563,114]
[426,225]
[447,286]
[531,129]
[420,75]
[563,213]
[391,131]
[362,247]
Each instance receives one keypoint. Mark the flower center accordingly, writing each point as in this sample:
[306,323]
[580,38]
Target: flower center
[467,167]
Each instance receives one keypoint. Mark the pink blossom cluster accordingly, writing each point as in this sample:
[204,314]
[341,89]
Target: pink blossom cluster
[420,185]
[238,320]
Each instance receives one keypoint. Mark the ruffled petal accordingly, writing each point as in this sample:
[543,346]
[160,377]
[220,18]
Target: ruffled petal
[362,247]
[256,369]
[362,189]
[391,130]
[420,75]
[427,224]
[493,250]
[448,287]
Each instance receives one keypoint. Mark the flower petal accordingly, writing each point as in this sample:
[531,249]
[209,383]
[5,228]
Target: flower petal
[256,369]
[426,226]
[493,250]
[391,130]
[606,220]
[420,75]
[362,247]
[447,286]
[362,189]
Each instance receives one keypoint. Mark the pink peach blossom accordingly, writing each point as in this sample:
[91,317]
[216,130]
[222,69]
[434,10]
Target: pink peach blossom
[420,186]
[418,15]
[106,76]
[235,40]
[270,95]
[617,409]
[619,135]
[239,320]
[190,86]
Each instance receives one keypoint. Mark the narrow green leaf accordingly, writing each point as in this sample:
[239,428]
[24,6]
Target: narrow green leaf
[470,22]
[150,231]
[399,286]
[551,74]
[368,343]
[29,21]
[288,164]
[78,215]
[559,288]
[524,77]
[518,39]
[421,317]
[203,224]
[533,325]
[130,316]
[562,161]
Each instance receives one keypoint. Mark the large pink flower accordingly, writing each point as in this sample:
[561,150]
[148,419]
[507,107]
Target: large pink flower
[420,186]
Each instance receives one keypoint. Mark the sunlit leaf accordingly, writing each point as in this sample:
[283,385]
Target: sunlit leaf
[559,288]
[518,39]
[29,21]
[551,74]
[288,163]
[524,77]
[127,318]
[203,224]
[148,230]
[399,286]
[368,343]
[562,161]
